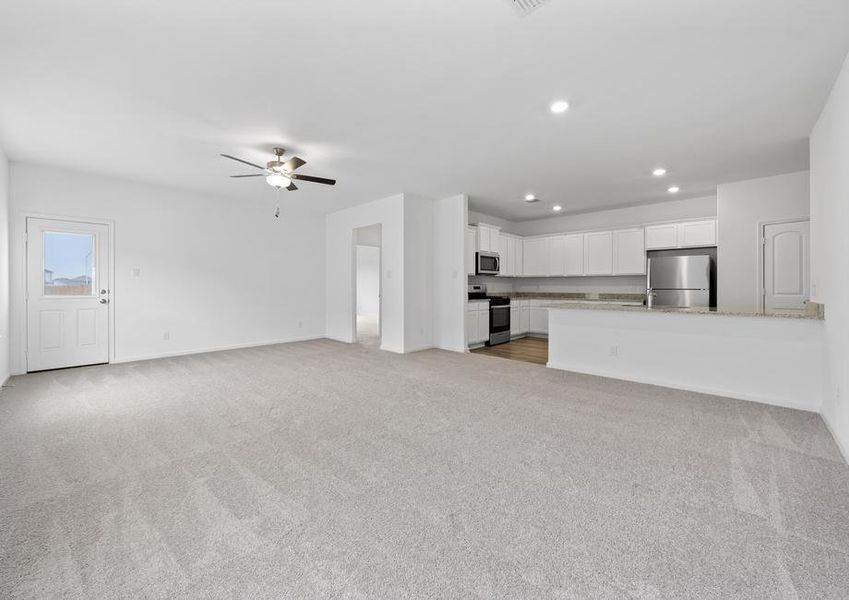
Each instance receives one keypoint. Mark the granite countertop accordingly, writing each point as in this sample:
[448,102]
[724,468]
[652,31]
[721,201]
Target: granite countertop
[815,313]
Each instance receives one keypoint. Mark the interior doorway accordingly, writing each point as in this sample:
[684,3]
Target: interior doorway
[68,293]
[367,299]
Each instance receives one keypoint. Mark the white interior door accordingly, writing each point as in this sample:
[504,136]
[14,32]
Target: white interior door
[68,292]
[786,265]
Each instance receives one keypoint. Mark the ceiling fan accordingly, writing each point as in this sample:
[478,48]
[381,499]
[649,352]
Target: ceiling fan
[281,174]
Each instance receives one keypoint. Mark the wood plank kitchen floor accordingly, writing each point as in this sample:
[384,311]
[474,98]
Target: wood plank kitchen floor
[527,349]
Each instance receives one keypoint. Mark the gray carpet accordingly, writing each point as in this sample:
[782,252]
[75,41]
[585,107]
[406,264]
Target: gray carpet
[325,470]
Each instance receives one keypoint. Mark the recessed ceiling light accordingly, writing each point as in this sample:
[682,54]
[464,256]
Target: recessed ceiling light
[659,172]
[559,106]
[674,189]
[530,198]
[556,208]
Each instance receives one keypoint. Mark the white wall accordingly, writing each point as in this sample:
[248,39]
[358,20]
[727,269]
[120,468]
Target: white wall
[741,207]
[215,272]
[368,281]
[449,280]
[830,248]
[670,210]
[5,368]
[418,273]
[771,360]
[423,290]
[339,266]
[368,236]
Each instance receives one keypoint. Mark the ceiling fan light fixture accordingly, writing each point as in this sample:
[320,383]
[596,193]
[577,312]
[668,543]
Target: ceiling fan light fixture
[278,180]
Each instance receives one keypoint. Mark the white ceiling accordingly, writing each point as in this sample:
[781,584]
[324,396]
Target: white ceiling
[424,96]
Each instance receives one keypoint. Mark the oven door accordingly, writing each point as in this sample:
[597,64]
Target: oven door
[499,324]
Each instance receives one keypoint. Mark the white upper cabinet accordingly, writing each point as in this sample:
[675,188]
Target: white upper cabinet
[629,252]
[471,248]
[557,255]
[662,236]
[574,254]
[619,252]
[517,256]
[598,253]
[689,234]
[501,247]
[487,238]
[697,233]
[535,260]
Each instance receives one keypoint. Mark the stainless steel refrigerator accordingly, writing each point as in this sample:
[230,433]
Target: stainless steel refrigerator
[679,281]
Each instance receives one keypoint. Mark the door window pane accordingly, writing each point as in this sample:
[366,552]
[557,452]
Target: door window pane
[68,264]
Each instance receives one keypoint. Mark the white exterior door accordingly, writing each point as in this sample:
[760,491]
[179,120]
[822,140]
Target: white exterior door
[68,291]
[786,265]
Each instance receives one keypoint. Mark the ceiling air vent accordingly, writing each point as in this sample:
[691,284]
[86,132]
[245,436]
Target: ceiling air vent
[526,7]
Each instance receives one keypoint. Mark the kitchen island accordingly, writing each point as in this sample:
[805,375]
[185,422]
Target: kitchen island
[771,358]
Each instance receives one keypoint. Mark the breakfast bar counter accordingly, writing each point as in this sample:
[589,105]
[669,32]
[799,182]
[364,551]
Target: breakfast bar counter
[775,358]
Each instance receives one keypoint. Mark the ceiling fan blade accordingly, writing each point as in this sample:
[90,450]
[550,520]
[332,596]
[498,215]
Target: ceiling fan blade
[243,161]
[251,175]
[291,187]
[313,179]
[293,163]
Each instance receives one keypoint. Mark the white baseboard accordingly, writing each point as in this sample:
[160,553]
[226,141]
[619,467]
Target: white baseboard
[391,349]
[843,449]
[418,348]
[726,393]
[451,348]
[138,357]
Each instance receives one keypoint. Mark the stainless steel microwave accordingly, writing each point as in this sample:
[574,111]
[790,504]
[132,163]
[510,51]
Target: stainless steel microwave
[487,263]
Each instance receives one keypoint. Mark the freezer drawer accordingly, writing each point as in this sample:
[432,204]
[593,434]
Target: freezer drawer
[681,298]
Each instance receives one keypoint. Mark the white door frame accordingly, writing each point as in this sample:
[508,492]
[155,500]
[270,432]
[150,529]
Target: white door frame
[354,245]
[19,280]
[760,278]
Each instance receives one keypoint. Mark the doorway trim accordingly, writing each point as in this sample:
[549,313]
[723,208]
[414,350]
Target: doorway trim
[760,275]
[18,280]
[354,244]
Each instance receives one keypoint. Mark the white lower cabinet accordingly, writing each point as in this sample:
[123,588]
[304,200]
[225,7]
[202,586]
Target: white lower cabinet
[477,322]
[483,324]
[525,317]
[519,317]
[538,317]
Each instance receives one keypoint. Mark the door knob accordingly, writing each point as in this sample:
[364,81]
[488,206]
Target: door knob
[104,301]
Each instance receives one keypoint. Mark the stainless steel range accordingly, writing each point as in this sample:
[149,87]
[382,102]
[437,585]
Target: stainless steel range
[499,314]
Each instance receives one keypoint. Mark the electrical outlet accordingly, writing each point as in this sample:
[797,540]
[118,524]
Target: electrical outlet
[300,324]
[136,272]
[614,351]
[166,336]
